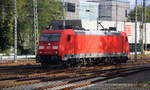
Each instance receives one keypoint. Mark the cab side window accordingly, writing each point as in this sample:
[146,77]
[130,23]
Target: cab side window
[126,38]
[68,38]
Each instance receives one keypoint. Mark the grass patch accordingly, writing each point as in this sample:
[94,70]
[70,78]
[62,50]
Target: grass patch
[147,82]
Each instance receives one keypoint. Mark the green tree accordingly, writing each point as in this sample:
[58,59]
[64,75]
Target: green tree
[6,26]
[139,14]
[24,24]
[6,34]
[47,10]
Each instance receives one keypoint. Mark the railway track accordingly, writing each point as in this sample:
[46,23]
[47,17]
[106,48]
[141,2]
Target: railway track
[69,76]
[19,62]
[94,78]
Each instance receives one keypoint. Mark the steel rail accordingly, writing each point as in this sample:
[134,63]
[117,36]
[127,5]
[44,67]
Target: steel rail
[106,75]
[38,78]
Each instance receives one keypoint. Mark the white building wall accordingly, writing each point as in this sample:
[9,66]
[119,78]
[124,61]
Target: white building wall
[72,15]
[148,32]
[88,10]
[92,25]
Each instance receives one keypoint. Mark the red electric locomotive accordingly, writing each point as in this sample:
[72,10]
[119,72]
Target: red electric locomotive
[81,47]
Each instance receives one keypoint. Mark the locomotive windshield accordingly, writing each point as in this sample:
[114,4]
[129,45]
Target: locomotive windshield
[51,37]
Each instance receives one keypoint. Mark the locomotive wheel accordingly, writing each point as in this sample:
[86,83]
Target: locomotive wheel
[72,63]
[124,59]
[79,64]
[96,61]
[89,62]
[106,61]
[65,64]
[84,62]
[69,64]
[113,61]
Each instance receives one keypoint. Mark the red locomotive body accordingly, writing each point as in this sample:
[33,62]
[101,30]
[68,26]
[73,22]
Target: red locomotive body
[82,47]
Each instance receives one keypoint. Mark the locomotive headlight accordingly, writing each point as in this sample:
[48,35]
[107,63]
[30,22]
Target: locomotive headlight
[55,47]
[41,47]
[56,52]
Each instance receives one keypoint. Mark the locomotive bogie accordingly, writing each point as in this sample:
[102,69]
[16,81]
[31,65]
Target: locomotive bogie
[49,59]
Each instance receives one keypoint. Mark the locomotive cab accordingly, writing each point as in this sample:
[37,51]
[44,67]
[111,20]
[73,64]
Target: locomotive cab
[52,45]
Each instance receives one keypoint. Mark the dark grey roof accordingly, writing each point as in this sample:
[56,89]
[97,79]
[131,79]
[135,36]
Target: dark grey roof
[69,24]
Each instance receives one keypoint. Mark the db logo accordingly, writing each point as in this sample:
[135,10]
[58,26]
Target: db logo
[49,44]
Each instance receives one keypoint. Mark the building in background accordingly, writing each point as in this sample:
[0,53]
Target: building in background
[89,10]
[93,9]
[110,10]
[72,11]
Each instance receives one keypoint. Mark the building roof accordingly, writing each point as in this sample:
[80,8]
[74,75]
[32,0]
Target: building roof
[98,1]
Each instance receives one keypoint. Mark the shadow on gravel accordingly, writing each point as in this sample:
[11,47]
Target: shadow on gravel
[14,72]
[28,69]
[30,66]
[143,76]
[20,67]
